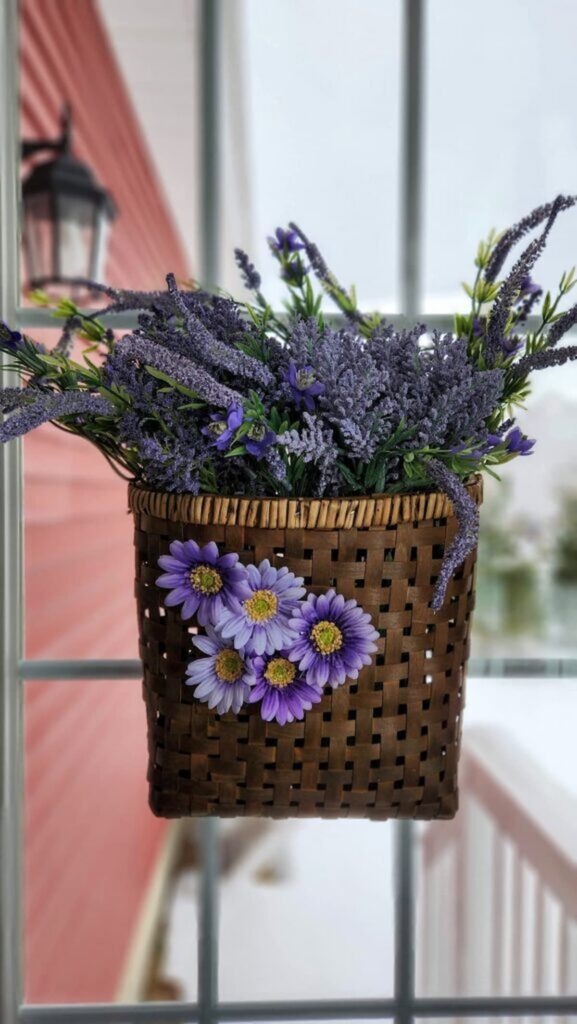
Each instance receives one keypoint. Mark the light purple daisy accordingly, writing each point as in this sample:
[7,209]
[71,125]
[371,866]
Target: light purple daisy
[200,580]
[335,638]
[259,621]
[224,678]
[282,689]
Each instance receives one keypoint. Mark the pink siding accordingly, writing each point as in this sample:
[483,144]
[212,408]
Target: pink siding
[91,843]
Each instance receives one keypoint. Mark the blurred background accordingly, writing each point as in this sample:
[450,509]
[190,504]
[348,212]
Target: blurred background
[309,118]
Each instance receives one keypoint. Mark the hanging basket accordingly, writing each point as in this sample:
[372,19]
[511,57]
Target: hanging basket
[383,746]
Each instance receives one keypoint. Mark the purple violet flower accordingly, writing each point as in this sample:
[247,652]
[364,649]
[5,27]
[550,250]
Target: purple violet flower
[304,385]
[222,430]
[258,439]
[224,678]
[282,689]
[286,241]
[510,344]
[10,340]
[335,639]
[517,442]
[258,619]
[200,580]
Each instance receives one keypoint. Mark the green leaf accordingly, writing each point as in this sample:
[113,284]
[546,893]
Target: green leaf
[176,385]
[239,450]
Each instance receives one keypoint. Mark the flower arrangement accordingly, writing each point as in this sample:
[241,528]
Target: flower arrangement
[262,642]
[211,395]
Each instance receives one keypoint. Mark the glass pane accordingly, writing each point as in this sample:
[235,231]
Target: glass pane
[497,894]
[97,863]
[322,98]
[314,892]
[527,576]
[498,143]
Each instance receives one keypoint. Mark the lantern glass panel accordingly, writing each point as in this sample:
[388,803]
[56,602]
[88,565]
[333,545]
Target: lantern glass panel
[39,236]
[75,216]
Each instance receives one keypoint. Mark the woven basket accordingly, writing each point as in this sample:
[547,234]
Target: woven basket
[384,746]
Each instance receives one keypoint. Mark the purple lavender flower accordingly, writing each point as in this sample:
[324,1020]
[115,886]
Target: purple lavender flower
[467,535]
[304,385]
[543,358]
[258,439]
[53,406]
[509,291]
[224,678]
[510,237]
[517,443]
[283,691]
[201,581]
[181,369]
[250,274]
[286,241]
[258,620]
[335,639]
[222,431]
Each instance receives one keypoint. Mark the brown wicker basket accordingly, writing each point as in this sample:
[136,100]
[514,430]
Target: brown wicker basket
[385,746]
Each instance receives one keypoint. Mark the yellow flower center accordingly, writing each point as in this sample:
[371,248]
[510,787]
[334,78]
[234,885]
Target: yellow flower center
[261,606]
[280,672]
[229,665]
[326,637]
[206,579]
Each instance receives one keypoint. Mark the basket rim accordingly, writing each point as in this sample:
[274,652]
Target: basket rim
[297,513]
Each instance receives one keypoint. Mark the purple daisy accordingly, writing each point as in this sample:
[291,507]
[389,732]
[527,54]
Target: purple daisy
[259,620]
[222,431]
[224,678]
[335,639]
[282,689]
[304,385]
[201,580]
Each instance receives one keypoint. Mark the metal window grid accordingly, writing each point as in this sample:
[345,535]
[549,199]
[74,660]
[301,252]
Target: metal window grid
[405,1005]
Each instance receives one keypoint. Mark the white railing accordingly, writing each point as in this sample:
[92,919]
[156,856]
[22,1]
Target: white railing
[499,883]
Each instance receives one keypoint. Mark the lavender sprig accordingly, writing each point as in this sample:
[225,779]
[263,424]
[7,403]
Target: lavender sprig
[517,231]
[563,324]
[211,351]
[328,279]
[509,290]
[250,274]
[542,359]
[178,368]
[467,535]
[53,407]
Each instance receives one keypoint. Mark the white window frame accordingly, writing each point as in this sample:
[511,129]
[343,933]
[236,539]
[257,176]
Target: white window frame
[405,1005]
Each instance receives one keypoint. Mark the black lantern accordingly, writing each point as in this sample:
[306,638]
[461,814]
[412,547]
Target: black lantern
[66,215]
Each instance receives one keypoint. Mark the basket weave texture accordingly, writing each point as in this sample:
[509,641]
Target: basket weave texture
[385,745]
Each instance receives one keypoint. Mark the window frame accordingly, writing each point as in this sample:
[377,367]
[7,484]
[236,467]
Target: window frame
[404,1006]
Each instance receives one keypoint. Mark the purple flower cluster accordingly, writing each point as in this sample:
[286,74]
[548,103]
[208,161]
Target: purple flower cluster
[257,627]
